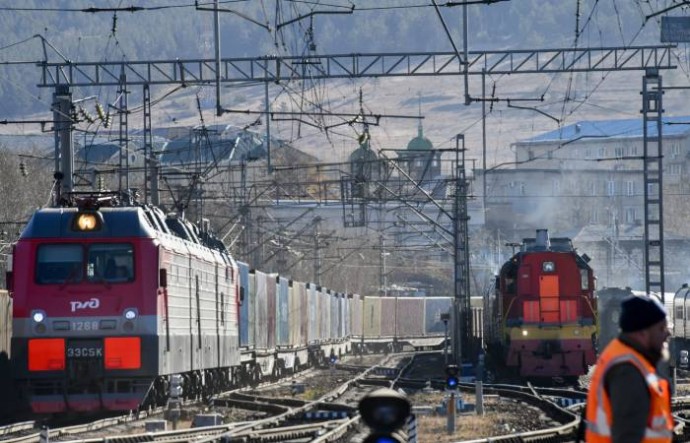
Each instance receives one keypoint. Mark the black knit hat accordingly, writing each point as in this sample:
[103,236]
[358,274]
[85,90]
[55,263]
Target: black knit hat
[640,312]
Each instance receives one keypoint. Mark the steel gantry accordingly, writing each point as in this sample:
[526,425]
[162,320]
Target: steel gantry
[276,69]
[413,64]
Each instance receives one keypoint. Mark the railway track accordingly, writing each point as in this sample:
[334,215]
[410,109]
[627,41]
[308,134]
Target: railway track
[287,419]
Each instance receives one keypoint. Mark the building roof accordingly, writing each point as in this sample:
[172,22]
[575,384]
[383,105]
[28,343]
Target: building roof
[627,128]
[624,231]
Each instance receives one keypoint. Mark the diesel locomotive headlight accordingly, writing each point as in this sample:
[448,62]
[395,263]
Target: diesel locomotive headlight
[525,332]
[130,313]
[38,316]
[548,266]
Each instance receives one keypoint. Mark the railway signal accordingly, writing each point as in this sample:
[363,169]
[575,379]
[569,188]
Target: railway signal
[452,379]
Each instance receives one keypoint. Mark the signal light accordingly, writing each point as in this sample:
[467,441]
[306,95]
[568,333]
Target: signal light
[452,379]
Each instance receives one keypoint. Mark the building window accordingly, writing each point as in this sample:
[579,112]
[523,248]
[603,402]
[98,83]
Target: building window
[675,169]
[630,215]
[593,188]
[556,187]
[611,188]
[530,154]
[602,152]
[521,188]
[630,188]
[588,153]
[618,152]
[675,149]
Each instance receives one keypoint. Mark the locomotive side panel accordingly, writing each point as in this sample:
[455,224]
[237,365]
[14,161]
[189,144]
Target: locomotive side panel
[228,300]
[244,308]
[5,322]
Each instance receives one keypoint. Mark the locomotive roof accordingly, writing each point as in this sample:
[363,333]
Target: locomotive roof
[119,222]
[557,244]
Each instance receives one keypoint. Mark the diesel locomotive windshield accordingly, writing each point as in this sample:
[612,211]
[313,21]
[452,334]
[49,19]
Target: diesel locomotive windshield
[78,263]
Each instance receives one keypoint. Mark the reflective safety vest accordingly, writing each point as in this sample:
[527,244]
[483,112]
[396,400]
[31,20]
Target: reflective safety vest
[599,415]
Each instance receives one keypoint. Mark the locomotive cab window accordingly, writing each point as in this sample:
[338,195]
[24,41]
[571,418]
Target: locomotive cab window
[110,262]
[74,263]
[58,264]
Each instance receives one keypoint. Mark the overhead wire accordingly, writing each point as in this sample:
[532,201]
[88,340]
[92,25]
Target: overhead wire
[131,9]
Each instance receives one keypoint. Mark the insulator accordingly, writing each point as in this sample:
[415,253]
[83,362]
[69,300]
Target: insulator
[22,168]
[99,112]
[86,116]
[106,122]
[101,183]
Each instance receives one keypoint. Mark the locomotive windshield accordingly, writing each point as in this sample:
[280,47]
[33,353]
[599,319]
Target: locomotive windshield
[93,263]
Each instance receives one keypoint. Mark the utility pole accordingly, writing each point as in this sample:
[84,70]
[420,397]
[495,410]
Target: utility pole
[461,301]
[123,113]
[652,110]
[64,157]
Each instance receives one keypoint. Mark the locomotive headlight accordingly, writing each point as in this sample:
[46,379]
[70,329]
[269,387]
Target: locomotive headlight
[38,316]
[130,313]
[548,266]
[87,221]
[525,332]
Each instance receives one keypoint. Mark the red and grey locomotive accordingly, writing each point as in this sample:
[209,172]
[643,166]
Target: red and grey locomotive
[541,320]
[108,301]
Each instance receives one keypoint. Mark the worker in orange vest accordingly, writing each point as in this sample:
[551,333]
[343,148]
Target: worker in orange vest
[628,401]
